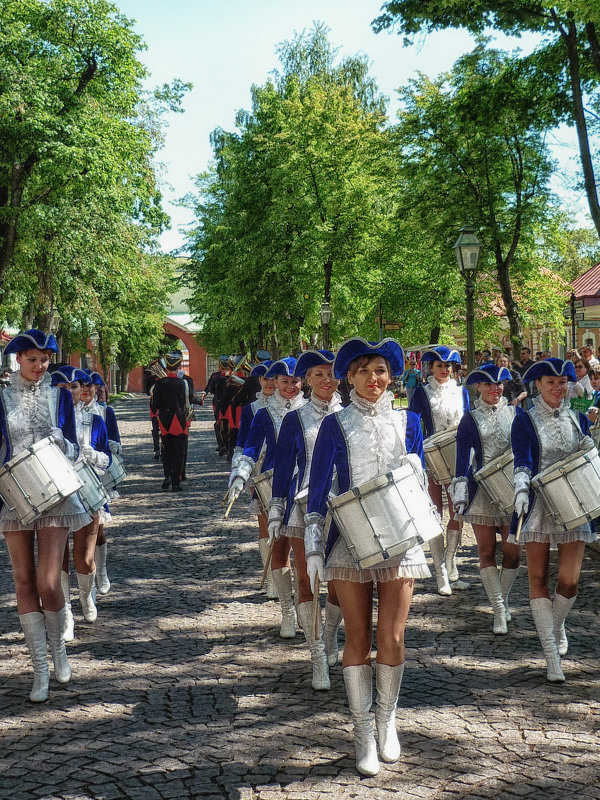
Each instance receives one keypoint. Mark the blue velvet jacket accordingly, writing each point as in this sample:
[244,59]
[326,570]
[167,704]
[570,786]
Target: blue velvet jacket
[526,448]
[65,420]
[420,405]
[331,453]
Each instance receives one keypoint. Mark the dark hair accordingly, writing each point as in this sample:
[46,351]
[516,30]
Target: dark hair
[594,370]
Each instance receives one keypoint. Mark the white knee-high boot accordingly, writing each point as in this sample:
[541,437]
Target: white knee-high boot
[507,578]
[101,573]
[34,630]
[560,609]
[359,689]
[541,608]
[282,578]
[333,617]
[320,668]
[271,591]
[436,548]
[452,542]
[387,681]
[55,622]
[491,583]
[86,595]
[69,631]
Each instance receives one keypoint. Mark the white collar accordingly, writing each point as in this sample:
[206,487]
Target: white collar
[383,405]
[325,406]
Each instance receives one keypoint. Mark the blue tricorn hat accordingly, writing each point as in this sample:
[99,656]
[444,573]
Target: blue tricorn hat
[31,340]
[312,358]
[285,366]
[95,377]
[555,367]
[488,373]
[354,348]
[69,374]
[260,370]
[441,353]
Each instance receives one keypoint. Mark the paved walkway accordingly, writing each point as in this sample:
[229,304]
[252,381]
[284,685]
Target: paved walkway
[183,689]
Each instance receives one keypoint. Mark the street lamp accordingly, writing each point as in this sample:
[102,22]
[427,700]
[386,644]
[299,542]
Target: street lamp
[467,248]
[325,315]
[53,319]
[94,341]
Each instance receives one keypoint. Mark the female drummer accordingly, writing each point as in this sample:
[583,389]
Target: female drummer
[91,392]
[293,456]
[548,433]
[30,410]
[92,439]
[264,431]
[441,403]
[267,387]
[366,439]
[483,435]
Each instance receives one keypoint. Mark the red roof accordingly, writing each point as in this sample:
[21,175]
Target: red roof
[588,284]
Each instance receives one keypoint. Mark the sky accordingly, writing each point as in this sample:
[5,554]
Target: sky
[224,46]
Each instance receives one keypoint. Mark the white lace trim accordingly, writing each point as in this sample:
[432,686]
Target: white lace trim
[445,402]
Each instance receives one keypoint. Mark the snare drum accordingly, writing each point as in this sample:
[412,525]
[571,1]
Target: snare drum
[36,480]
[570,489]
[92,493]
[440,455]
[114,474]
[497,481]
[385,516]
[263,484]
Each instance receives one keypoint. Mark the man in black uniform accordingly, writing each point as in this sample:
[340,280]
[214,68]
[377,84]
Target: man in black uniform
[170,402]
[217,384]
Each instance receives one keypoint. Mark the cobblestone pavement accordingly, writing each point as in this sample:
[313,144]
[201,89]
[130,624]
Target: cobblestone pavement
[183,688]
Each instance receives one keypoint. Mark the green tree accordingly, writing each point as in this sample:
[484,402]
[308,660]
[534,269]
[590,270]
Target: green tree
[289,214]
[567,61]
[466,153]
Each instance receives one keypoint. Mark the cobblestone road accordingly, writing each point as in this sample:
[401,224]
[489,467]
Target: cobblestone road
[183,688]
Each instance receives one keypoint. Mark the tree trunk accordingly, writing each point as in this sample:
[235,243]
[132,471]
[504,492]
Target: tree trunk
[434,335]
[570,39]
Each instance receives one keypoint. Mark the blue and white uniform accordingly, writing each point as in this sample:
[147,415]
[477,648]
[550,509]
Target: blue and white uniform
[293,458]
[360,442]
[29,412]
[483,435]
[541,437]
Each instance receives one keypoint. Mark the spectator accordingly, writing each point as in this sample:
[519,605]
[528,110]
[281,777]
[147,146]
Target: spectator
[514,389]
[526,361]
[582,368]
[587,354]
[411,378]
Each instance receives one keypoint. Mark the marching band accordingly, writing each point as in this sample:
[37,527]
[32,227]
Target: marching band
[347,494]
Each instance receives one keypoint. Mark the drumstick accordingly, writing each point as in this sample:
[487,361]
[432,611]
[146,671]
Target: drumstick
[267,563]
[316,609]
[225,496]
[232,501]
[519,524]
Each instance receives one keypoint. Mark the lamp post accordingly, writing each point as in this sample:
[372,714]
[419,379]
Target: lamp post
[325,315]
[467,248]
[112,374]
[94,341]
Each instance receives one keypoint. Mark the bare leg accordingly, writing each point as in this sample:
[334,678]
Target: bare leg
[394,606]
[356,601]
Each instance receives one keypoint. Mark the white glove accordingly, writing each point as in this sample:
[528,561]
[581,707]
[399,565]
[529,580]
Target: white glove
[58,437]
[235,489]
[274,530]
[521,503]
[115,447]
[275,518]
[459,508]
[315,565]
[586,443]
[88,454]
[232,477]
